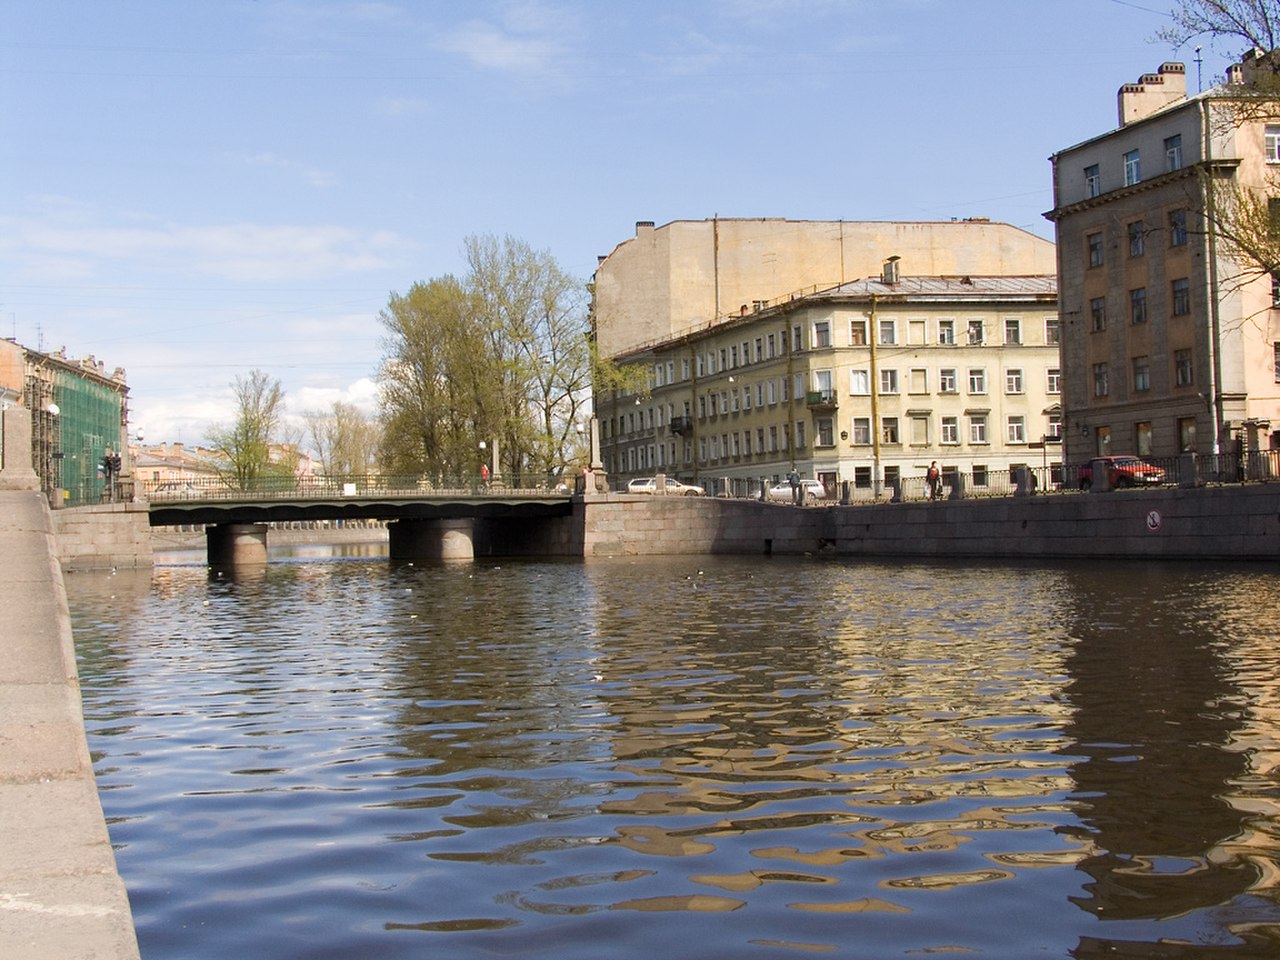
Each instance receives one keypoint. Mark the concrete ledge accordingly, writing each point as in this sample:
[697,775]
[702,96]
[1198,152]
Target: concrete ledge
[61,897]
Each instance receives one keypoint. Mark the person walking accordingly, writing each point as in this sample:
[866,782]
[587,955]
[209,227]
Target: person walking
[794,478]
[933,481]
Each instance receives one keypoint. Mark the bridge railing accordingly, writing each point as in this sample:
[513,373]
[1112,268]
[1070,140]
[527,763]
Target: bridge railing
[366,485]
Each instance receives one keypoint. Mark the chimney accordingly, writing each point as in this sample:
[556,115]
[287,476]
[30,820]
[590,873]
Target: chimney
[889,274]
[1153,92]
[644,226]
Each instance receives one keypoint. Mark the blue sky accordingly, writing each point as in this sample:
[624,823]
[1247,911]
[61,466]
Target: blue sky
[194,188]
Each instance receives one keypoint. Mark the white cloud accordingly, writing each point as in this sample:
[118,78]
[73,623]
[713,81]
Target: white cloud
[247,252]
[532,39]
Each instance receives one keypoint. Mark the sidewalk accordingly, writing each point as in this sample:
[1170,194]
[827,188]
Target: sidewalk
[60,895]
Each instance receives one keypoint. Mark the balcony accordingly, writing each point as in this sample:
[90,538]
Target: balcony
[821,401]
[682,426]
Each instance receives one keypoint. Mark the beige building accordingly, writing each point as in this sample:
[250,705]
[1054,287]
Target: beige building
[1167,345]
[690,275]
[865,382]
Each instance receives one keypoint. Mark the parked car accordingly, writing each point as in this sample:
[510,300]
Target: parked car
[674,488]
[811,490]
[1122,472]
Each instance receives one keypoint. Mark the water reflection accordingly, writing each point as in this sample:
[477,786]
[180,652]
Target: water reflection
[357,759]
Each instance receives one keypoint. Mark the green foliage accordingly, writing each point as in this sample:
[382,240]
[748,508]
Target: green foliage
[346,441]
[500,355]
[246,445]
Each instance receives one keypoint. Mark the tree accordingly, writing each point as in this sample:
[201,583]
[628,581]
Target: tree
[346,440]
[246,444]
[1253,94]
[499,355]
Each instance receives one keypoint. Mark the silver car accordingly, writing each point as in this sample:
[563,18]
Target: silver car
[674,488]
[811,491]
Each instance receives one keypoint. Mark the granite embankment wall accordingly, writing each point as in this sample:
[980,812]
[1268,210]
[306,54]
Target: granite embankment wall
[103,535]
[60,895]
[1240,522]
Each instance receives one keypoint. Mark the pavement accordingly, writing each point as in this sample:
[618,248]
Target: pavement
[61,897]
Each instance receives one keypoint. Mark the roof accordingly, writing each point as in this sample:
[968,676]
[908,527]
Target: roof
[926,289]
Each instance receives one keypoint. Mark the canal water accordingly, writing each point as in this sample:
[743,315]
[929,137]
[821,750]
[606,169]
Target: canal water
[689,758]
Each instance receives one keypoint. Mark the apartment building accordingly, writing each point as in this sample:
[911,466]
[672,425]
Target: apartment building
[865,382]
[1168,345]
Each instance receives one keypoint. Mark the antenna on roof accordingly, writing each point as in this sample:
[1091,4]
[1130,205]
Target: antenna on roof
[1199,63]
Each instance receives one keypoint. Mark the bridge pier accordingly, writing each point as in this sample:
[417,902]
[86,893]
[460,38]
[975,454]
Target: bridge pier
[432,539]
[236,544]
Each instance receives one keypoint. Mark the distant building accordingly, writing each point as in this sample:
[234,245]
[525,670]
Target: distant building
[174,463]
[79,415]
[863,380]
[1166,347]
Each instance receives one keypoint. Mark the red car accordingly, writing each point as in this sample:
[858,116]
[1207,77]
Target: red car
[1122,472]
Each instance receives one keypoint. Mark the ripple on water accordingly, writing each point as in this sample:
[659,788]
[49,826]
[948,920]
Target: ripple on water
[339,759]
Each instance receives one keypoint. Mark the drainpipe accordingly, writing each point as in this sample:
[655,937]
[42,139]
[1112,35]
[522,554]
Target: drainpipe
[1211,243]
[872,335]
[693,409]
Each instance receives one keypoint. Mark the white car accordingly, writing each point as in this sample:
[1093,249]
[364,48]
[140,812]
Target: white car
[811,490]
[674,488]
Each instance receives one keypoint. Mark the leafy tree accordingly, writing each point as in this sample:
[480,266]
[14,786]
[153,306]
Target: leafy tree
[345,439]
[498,355]
[246,444]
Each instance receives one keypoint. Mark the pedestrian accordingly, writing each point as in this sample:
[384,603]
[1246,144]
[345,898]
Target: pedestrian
[484,473]
[933,481]
[794,478]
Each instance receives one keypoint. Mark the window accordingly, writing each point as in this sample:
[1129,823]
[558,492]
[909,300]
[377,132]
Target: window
[1132,168]
[862,431]
[858,333]
[1182,372]
[919,380]
[1142,437]
[1098,313]
[1276,350]
[1092,180]
[888,331]
[1013,381]
[977,380]
[724,359]
[771,344]
[1178,227]
[760,439]
[1173,153]
[826,432]
[1141,374]
[976,333]
[916,332]
[889,430]
[1094,243]
[919,430]
[821,334]
[1187,434]
[746,398]
[1016,429]
[1100,380]
[799,434]
[1055,425]
[1053,380]
[859,382]
[979,474]
[822,384]
[1102,441]
[1272,144]
[888,381]
[1012,330]
[1137,238]
[978,428]
[1052,331]
[950,430]
[772,390]
[795,339]
[947,381]
[862,477]
[733,356]
[759,349]
[946,332]
[1138,305]
[760,394]
[1181,297]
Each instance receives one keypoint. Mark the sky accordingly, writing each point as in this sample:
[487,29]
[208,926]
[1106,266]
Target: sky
[192,189]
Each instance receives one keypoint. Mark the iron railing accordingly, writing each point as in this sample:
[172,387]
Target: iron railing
[366,485]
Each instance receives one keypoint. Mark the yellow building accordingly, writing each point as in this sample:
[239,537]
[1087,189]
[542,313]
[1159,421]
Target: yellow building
[757,339]
[1168,346]
[866,382]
